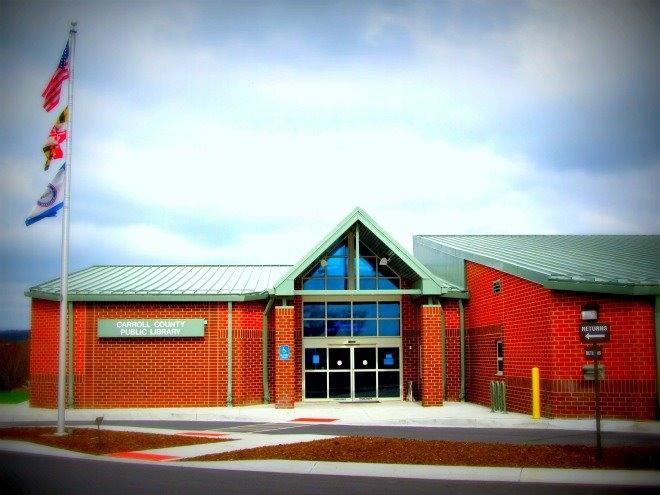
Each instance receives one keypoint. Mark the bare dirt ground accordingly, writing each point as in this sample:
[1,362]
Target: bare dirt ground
[91,441]
[440,452]
[357,449]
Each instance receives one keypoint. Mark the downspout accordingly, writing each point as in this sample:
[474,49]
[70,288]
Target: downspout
[264,350]
[230,352]
[657,355]
[69,401]
[443,336]
[461,313]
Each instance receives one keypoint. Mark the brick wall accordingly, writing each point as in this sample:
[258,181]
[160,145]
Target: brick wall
[158,372]
[410,345]
[540,328]
[247,359]
[272,384]
[44,339]
[519,316]
[285,326]
[431,355]
[162,372]
[452,349]
[629,388]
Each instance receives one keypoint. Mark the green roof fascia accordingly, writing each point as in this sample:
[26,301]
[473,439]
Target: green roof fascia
[456,294]
[284,286]
[77,297]
[604,288]
[394,292]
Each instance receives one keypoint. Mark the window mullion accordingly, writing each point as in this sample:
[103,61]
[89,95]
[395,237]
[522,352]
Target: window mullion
[356,261]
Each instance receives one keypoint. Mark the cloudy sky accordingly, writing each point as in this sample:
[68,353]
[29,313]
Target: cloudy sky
[242,132]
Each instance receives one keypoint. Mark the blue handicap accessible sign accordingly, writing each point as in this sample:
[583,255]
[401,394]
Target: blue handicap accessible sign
[316,359]
[284,352]
[388,360]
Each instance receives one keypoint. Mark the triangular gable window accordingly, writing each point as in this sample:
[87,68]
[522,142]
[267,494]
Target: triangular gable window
[374,272]
[331,272]
[336,269]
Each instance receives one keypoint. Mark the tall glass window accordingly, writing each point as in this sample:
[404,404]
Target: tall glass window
[331,273]
[352,319]
[373,274]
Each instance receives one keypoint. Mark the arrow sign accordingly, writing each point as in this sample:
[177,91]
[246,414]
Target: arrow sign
[594,332]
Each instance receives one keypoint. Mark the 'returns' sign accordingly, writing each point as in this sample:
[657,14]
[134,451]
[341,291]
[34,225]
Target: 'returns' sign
[591,333]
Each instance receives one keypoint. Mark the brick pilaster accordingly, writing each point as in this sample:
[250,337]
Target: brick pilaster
[431,362]
[284,368]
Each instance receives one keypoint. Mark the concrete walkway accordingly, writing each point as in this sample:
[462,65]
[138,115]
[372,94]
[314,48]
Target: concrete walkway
[452,414]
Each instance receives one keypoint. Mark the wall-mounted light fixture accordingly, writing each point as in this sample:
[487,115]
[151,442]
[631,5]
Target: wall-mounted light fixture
[589,312]
[324,262]
[383,262]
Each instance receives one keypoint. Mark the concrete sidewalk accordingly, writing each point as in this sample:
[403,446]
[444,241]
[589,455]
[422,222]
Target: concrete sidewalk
[452,414]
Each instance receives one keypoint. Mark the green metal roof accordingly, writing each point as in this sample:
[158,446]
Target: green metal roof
[165,283]
[623,264]
[373,234]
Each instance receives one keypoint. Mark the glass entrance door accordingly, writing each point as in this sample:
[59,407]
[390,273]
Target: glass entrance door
[364,373]
[340,373]
[352,373]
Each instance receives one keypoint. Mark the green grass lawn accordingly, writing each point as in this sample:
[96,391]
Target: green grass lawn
[13,396]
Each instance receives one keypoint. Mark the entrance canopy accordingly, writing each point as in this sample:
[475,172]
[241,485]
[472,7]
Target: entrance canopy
[359,258]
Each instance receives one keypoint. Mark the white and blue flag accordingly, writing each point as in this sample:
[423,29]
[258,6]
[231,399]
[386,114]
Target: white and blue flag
[51,201]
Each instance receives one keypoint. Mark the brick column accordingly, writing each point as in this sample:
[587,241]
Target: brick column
[431,356]
[284,368]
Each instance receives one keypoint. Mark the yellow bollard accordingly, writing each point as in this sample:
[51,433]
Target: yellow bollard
[536,394]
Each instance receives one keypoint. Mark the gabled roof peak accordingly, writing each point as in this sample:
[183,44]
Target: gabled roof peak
[426,282]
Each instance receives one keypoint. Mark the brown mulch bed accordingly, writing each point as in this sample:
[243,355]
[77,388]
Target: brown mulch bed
[408,451]
[91,441]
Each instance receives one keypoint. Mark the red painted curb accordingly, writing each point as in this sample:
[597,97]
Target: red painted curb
[144,456]
[314,420]
[204,434]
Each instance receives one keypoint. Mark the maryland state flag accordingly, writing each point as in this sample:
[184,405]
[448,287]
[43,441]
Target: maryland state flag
[52,149]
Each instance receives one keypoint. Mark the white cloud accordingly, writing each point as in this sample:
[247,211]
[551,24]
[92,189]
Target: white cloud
[220,172]
[225,174]
[146,244]
[577,51]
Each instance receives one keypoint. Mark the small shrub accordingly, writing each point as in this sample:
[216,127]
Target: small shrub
[13,365]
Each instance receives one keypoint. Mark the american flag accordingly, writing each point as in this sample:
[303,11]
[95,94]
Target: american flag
[52,92]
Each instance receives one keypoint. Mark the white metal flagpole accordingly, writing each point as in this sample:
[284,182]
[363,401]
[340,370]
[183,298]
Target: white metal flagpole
[61,371]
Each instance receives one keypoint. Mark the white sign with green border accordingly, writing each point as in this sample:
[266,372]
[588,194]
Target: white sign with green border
[139,329]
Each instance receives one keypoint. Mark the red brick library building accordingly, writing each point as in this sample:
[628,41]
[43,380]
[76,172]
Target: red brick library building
[361,319]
